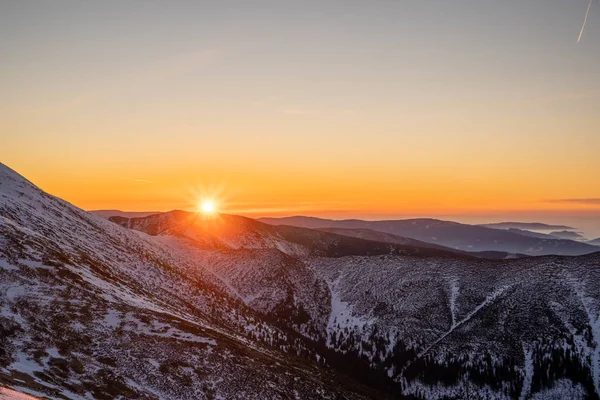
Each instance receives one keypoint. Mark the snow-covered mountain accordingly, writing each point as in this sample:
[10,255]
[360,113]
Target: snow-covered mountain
[177,306]
[527,328]
[90,309]
[472,238]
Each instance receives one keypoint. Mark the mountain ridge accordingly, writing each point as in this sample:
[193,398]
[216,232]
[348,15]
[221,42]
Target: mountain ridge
[289,239]
[455,235]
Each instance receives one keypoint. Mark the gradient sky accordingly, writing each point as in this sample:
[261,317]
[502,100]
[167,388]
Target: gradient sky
[338,108]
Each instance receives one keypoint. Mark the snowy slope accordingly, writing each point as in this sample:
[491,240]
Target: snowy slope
[89,309]
[522,325]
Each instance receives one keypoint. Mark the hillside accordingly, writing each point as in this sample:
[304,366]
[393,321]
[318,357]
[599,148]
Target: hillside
[91,309]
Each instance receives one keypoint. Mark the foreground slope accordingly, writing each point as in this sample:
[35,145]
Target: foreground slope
[88,308]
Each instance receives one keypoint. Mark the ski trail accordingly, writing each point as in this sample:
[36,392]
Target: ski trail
[528,353]
[488,300]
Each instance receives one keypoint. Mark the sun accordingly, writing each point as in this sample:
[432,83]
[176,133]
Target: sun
[208,207]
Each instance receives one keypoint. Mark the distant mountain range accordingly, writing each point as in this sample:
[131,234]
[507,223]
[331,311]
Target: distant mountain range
[472,238]
[383,237]
[531,229]
[178,306]
[567,235]
[532,233]
[232,231]
[118,213]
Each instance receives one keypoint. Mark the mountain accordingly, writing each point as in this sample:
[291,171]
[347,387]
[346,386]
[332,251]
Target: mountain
[383,237]
[90,309]
[458,236]
[176,306]
[567,235]
[526,328]
[236,232]
[531,233]
[595,242]
[528,226]
[429,324]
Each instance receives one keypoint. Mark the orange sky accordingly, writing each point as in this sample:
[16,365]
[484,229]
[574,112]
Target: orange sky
[414,108]
[341,191]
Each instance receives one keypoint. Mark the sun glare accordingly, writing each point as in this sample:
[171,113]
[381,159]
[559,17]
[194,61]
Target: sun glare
[208,207]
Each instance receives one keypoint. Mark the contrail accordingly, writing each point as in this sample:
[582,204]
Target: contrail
[584,21]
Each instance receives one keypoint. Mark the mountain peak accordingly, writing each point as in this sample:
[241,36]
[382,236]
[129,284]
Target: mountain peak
[11,180]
